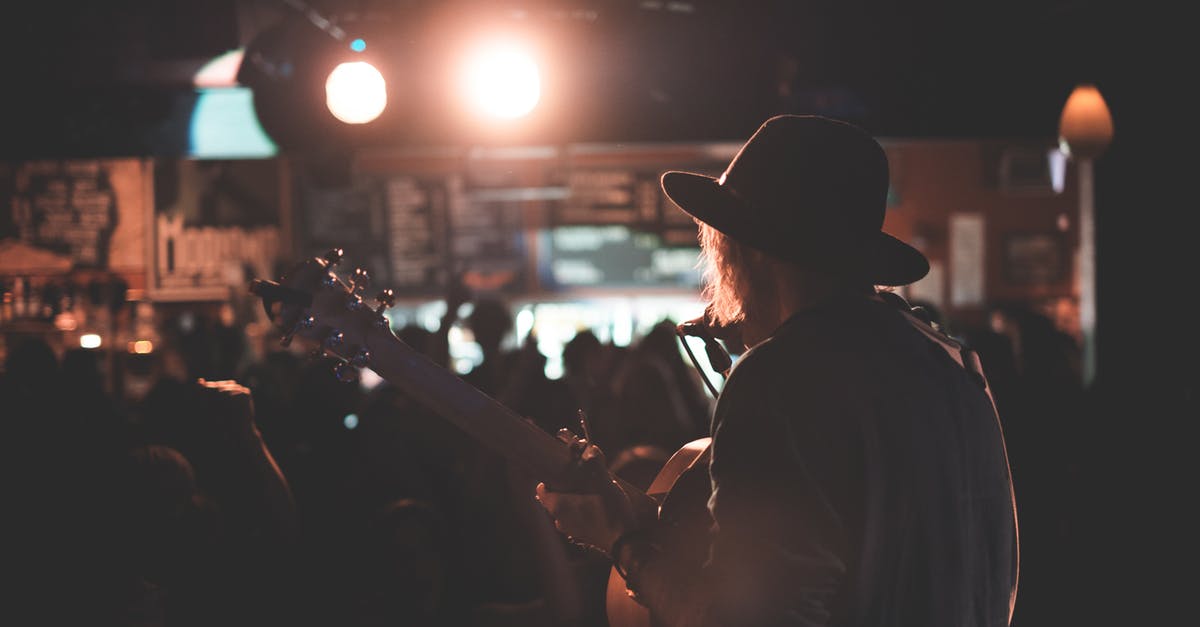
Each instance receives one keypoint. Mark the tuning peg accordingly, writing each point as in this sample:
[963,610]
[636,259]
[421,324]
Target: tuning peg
[304,323]
[330,280]
[334,339]
[334,256]
[360,280]
[361,359]
[385,299]
[346,373]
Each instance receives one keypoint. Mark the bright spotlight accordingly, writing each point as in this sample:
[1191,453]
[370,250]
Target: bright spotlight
[502,81]
[355,92]
[89,340]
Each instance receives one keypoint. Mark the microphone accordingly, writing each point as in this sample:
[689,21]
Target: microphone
[718,358]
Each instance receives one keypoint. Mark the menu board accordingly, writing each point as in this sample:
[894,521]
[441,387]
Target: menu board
[608,196]
[412,233]
[416,234]
[487,240]
[59,215]
[69,208]
[506,228]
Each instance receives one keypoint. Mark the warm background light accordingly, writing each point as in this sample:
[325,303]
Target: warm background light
[356,92]
[89,340]
[502,81]
[1085,127]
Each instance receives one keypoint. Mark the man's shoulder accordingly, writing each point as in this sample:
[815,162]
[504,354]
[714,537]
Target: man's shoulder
[823,347]
[799,341]
[794,361]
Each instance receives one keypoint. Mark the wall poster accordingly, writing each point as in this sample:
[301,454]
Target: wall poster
[75,214]
[1034,258]
[967,268]
[217,226]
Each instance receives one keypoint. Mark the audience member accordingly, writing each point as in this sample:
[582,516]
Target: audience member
[277,494]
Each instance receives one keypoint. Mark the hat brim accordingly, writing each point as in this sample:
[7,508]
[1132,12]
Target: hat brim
[885,259]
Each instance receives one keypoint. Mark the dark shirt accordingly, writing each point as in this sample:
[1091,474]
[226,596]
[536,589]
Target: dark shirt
[858,477]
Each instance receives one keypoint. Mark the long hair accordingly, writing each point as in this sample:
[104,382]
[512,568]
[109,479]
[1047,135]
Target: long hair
[732,287]
[739,280]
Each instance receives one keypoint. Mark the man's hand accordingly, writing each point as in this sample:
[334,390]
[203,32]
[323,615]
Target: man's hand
[598,511]
[226,407]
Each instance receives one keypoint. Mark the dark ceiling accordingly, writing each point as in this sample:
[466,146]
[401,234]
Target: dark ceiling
[106,78]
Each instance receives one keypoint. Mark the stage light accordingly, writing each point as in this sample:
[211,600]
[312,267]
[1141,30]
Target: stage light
[89,340]
[355,92]
[501,80]
[358,45]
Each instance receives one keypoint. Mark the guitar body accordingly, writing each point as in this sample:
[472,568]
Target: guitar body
[688,465]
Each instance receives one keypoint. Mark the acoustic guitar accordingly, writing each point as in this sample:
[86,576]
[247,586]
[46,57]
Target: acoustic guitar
[312,302]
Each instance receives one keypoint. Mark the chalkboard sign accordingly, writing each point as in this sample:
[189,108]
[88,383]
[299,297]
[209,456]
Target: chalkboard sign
[413,232]
[68,208]
[608,196]
[353,219]
[487,240]
[416,234]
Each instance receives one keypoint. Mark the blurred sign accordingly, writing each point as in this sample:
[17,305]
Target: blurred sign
[411,232]
[617,228]
[608,196]
[966,259]
[77,213]
[487,240]
[613,256]
[216,226]
[416,234]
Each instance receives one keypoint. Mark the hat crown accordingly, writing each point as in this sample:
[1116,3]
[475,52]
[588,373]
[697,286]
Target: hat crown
[808,190]
[812,174]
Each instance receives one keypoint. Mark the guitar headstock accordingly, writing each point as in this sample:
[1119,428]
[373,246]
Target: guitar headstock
[312,302]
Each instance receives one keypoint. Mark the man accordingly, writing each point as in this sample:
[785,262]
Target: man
[857,471]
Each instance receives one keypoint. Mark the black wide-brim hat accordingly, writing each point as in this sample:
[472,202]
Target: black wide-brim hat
[809,190]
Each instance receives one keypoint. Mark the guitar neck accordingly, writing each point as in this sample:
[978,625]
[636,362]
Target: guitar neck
[311,302]
[479,415]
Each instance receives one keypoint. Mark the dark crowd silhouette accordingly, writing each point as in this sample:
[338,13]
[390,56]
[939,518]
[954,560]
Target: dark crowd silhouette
[266,492]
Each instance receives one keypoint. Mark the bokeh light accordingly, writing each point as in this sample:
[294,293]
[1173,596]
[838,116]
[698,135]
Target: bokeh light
[502,80]
[356,92]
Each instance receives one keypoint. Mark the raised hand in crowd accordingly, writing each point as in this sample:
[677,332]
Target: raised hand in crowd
[241,472]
